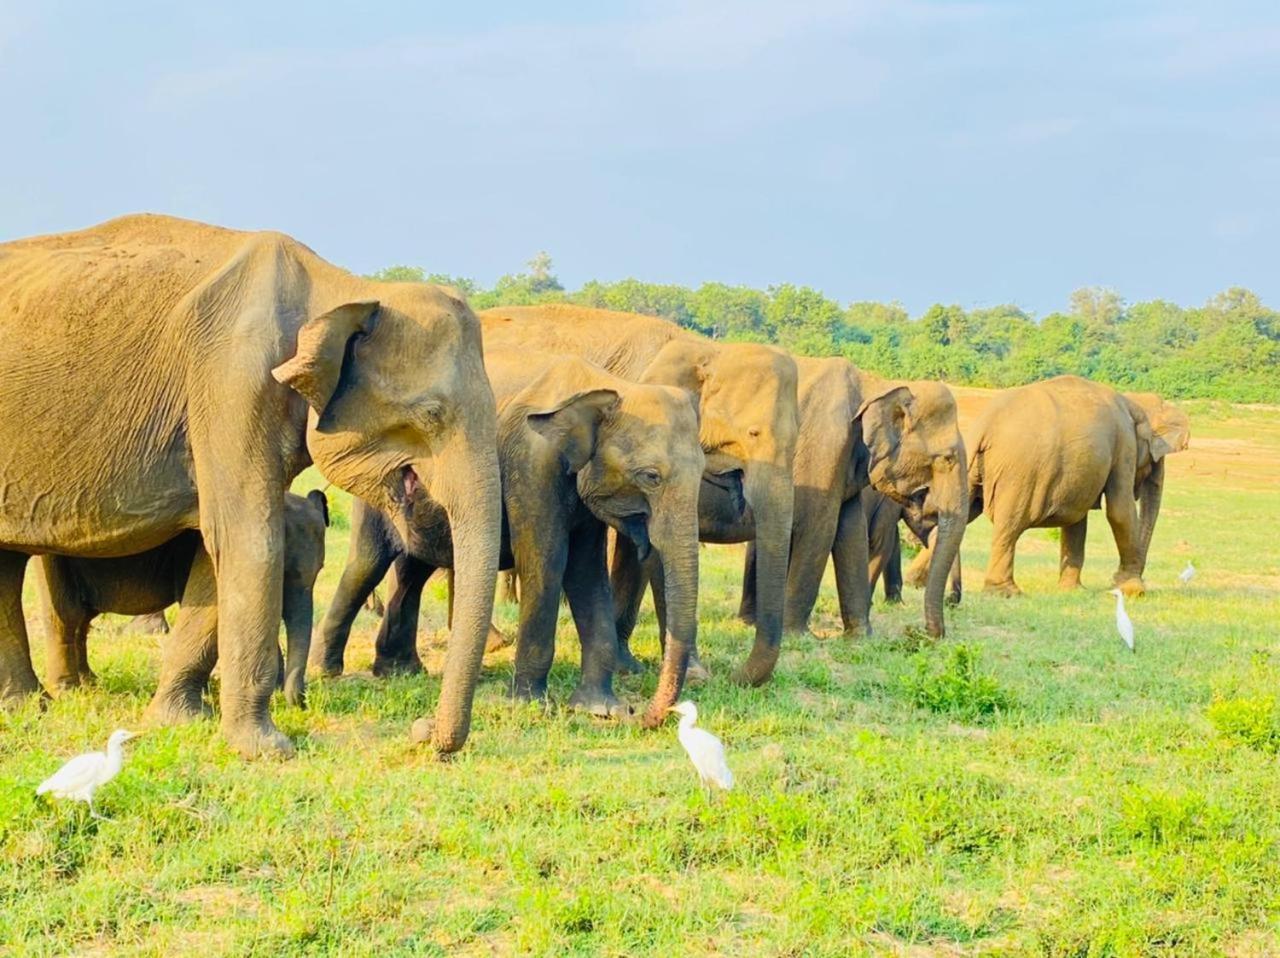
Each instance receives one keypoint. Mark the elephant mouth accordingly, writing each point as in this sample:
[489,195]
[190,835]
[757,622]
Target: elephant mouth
[636,528]
[730,482]
[405,485]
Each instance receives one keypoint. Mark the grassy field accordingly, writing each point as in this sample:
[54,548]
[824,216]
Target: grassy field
[1024,787]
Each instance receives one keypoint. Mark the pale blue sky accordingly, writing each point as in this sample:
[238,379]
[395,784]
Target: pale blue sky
[975,153]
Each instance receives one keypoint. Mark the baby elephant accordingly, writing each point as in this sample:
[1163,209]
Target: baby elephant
[75,591]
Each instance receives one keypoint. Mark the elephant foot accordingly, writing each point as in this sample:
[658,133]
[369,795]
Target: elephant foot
[529,689]
[952,599]
[747,618]
[1006,589]
[496,640]
[858,630]
[1132,586]
[1068,582]
[328,662]
[893,598]
[257,739]
[295,692]
[598,702]
[152,624]
[177,706]
[387,667]
[64,682]
[628,664]
[696,673]
[16,694]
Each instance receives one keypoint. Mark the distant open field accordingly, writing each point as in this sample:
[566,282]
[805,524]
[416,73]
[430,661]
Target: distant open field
[1059,797]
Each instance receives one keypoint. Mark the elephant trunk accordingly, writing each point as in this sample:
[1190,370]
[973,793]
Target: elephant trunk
[470,492]
[675,539]
[770,493]
[947,547]
[948,494]
[298,612]
[1149,495]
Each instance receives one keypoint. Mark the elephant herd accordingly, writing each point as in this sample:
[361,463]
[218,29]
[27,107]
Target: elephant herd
[164,381]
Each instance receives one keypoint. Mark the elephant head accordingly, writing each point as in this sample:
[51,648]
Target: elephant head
[1161,428]
[917,458]
[748,418]
[634,451]
[401,412]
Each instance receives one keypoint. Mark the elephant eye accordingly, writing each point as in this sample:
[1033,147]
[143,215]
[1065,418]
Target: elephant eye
[648,477]
[430,412]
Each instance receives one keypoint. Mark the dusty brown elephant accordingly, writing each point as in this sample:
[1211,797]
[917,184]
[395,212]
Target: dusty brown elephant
[1047,453]
[75,591]
[906,436]
[747,421]
[581,451]
[161,375]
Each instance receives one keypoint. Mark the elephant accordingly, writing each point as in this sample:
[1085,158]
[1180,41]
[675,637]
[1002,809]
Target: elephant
[1047,453]
[75,591]
[859,431]
[747,407]
[161,375]
[581,451]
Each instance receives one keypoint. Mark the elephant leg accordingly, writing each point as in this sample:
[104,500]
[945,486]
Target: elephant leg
[1004,543]
[17,677]
[1071,553]
[510,591]
[153,623]
[541,567]
[189,653]
[367,564]
[957,582]
[1122,514]
[851,557]
[65,621]
[893,569]
[747,606]
[586,584]
[812,540]
[628,578]
[396,647]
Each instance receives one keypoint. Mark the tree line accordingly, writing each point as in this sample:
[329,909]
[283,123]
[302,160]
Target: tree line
[1228,349]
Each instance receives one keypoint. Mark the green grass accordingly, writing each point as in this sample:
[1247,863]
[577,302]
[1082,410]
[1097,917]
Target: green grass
[1053,796]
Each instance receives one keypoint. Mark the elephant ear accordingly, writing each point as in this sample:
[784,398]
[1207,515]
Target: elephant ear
[314,370]
[884,420]
[1172,435]
[573,426]
[321,503]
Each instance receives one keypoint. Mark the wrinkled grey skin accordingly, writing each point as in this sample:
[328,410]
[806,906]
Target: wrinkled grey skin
[159,375]
[73,592]
[858,433]
[1047,454]
[581,452]
[746,395]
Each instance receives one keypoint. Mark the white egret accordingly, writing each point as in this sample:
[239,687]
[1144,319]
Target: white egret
[704,749]
[82,775]
[1188,573]
[1123,625]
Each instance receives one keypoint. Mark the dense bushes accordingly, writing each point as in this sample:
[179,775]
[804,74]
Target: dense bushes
[1227,349]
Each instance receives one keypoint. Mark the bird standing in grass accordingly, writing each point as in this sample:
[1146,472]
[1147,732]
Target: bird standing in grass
[704,749]
[82,775]
[1123,624]
[1187,574]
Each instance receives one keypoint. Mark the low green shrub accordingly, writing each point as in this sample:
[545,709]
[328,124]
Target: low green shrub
[958,687]
[1249,721]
